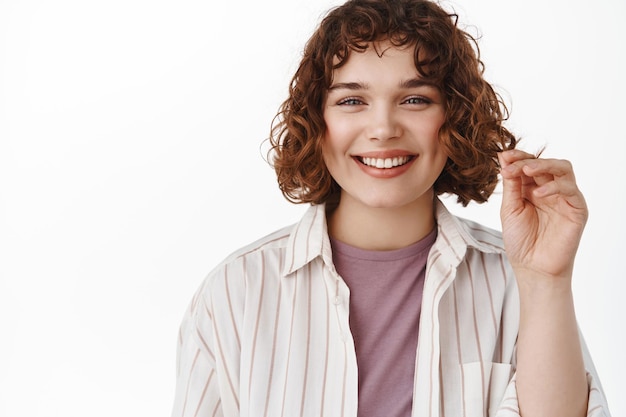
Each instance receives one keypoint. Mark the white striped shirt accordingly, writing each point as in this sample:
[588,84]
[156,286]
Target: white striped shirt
[267,333]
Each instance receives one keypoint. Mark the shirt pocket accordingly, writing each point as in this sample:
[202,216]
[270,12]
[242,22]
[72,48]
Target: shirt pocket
[483,385]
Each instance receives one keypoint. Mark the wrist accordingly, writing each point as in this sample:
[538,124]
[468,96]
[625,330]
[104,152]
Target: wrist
[533,280]
[544,294]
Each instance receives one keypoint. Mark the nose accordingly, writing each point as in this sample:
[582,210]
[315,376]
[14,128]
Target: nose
[383,123]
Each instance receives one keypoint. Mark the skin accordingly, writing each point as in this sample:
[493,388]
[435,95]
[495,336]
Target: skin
[373,111]
[377,107]
[543,216]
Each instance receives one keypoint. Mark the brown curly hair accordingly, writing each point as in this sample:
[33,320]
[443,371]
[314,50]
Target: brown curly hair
[445,55]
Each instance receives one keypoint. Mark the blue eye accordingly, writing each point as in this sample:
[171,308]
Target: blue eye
[350,101]
[417,100]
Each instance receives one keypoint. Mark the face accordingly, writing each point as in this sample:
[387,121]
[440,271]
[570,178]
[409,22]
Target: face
[382,125]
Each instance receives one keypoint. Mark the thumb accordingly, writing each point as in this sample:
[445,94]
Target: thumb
[512,199]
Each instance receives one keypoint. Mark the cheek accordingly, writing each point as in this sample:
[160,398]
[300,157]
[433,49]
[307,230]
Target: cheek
[340,125]
[328,150]
[434,134]
[441,151]
[336,139]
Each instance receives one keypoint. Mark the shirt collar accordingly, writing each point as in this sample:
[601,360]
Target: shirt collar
[309,238]
[455,235]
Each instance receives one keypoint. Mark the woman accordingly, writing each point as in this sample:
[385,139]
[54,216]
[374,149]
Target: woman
[379,301]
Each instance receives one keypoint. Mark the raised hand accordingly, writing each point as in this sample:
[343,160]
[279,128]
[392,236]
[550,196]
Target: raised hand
[543,214]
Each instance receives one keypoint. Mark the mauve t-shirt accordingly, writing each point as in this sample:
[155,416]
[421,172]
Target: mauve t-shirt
[385,304]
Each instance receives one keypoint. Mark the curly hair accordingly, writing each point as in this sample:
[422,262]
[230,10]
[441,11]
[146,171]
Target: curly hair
[445,55]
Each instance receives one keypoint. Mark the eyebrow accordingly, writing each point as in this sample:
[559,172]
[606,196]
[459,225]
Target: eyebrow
[348,86]
[416,82]
[406,84]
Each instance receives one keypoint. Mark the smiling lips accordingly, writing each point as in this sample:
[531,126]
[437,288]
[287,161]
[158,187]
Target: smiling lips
[384,163]
[385,166]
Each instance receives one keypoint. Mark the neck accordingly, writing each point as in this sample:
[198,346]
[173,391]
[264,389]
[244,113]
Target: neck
[374,228]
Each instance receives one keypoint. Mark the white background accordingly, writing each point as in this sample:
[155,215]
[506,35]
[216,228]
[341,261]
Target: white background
[130,164]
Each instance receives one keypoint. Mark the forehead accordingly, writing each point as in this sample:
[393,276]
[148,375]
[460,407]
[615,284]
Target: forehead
[381,60]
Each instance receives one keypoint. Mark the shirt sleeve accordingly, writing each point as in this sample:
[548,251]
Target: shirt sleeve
[597,403]
[197,386]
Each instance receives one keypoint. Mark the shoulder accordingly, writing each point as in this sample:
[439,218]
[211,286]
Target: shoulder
[227,282]
[481,234]
[475,250]
[463,234]
[275,241]
[275,255]
[272,245]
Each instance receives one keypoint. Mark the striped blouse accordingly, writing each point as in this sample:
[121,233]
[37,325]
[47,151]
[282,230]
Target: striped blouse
[267,333]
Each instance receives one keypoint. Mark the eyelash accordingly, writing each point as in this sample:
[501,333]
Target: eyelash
[349,101]
[353,101]
[419,99]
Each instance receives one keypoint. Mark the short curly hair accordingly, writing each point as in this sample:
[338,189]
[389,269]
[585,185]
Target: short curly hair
[473,131]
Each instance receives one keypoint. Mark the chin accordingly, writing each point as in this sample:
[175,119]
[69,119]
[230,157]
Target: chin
[386,202]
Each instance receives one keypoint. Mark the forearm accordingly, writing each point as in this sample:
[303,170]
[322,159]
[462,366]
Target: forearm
[551,377]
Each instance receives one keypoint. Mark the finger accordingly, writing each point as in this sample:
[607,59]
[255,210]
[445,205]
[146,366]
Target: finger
[561,195]
[513,155]
[566,201]
[527,183]
[538,179]
[512,184]
[513,161]
[547,167]
[557,187]
[540,170]
[517,169]
[551,176]
[562,187]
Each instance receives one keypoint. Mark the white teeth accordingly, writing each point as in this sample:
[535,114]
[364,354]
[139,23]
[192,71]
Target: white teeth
[385,162]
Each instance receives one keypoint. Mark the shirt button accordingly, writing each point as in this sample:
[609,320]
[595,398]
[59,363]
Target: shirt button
[337,300]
